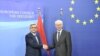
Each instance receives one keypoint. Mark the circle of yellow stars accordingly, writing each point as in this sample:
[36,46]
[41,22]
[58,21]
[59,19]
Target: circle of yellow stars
[78,21]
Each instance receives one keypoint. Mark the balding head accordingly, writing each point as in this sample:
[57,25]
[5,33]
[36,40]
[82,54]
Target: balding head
[59,24]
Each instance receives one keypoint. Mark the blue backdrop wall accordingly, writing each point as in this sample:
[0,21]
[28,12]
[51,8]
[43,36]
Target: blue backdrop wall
[81,18]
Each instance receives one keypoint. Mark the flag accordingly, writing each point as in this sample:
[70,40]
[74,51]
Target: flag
[42,32]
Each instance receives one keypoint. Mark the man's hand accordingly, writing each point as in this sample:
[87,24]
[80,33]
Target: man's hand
[45,46]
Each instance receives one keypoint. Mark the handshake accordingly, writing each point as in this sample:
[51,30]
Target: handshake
[45,46]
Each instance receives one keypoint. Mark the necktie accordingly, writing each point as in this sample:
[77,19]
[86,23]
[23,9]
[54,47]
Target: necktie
[58,36]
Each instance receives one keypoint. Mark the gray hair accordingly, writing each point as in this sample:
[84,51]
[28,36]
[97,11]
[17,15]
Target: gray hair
[32,25]
[59,21]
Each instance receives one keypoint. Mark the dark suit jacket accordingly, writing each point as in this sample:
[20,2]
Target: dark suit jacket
[63,47]
[32,47]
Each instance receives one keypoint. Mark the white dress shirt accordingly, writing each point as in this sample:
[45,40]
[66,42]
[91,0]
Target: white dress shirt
[34,34]
[60,34]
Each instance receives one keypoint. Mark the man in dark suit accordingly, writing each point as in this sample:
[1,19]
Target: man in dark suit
[61,41]
[33,43]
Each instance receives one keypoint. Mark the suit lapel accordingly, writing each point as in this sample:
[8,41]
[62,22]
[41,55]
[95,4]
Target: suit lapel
[61,37]
[56,37]
[33,38]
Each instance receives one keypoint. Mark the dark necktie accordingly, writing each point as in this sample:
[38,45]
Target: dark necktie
[58,36]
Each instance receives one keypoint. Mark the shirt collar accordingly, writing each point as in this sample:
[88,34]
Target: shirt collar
[34,34]
[60,30]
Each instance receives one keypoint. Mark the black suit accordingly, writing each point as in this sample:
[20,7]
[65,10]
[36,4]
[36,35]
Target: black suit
[63,47]
[33,48]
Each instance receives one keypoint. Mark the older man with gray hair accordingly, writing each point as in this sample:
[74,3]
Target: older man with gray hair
[61,40]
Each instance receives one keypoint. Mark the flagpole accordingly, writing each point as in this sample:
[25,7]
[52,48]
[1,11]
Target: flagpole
[61,13]
[39,11]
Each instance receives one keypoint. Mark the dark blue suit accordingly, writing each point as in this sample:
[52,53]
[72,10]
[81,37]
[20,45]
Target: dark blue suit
[32,46]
